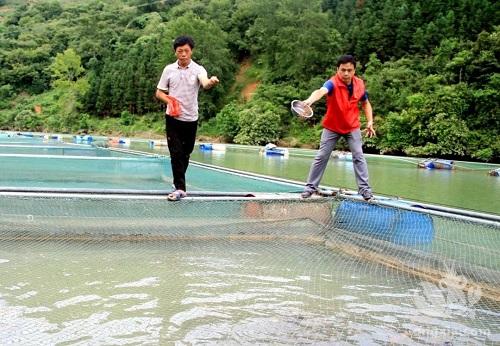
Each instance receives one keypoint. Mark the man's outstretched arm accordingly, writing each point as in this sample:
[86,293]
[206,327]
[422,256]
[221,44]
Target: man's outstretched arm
[206,82]
[316,95]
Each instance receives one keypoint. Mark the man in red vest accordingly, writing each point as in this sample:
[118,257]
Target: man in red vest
[344,92]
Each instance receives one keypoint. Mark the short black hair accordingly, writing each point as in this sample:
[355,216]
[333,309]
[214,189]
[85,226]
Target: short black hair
[345,59]
[182,40]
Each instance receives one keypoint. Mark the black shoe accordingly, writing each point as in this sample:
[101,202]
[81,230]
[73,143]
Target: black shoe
[369,198]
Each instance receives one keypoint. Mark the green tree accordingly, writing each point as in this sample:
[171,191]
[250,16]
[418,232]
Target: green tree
[228,121]
[295,40]
[67,67]
[258,124]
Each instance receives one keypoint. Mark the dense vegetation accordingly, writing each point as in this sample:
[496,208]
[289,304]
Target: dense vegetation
[431,67]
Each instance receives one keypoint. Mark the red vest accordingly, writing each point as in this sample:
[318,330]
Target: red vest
[342,112]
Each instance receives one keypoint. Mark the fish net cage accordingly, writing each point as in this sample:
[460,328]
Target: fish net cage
[412,241]
[241,260]
[455,261]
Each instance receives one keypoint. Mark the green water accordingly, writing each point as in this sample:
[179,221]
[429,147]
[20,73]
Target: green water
[189,292]
[226,291]
[133,172]
[468,187]
[57,149]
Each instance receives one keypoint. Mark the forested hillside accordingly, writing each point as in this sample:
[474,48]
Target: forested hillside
[431,68]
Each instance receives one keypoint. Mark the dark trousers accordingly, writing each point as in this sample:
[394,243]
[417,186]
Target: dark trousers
[180,139]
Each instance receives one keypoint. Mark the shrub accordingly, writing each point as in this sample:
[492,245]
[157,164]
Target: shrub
[258,128]
[27,120]
[227,121]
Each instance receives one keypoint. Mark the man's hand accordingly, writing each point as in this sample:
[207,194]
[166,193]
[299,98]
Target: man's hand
[212,81]
[370,131]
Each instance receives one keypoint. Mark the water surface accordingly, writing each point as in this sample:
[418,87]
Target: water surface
[217,292]
[468,187]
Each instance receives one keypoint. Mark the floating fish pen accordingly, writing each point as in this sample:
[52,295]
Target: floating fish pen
[92,252]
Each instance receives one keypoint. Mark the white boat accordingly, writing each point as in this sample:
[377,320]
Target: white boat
[272,149]
[342,155]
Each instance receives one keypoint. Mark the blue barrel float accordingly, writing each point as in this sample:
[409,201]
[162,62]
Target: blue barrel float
[399,226]
[82,139]
[495,172]
[437,164]
[206,147]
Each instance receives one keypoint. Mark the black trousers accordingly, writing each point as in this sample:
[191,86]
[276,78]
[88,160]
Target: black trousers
[180,139]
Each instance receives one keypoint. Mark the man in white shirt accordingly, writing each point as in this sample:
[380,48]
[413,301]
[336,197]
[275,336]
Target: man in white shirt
[178,89]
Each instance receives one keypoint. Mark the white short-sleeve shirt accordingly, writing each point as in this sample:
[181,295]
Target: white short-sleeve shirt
[184,85]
